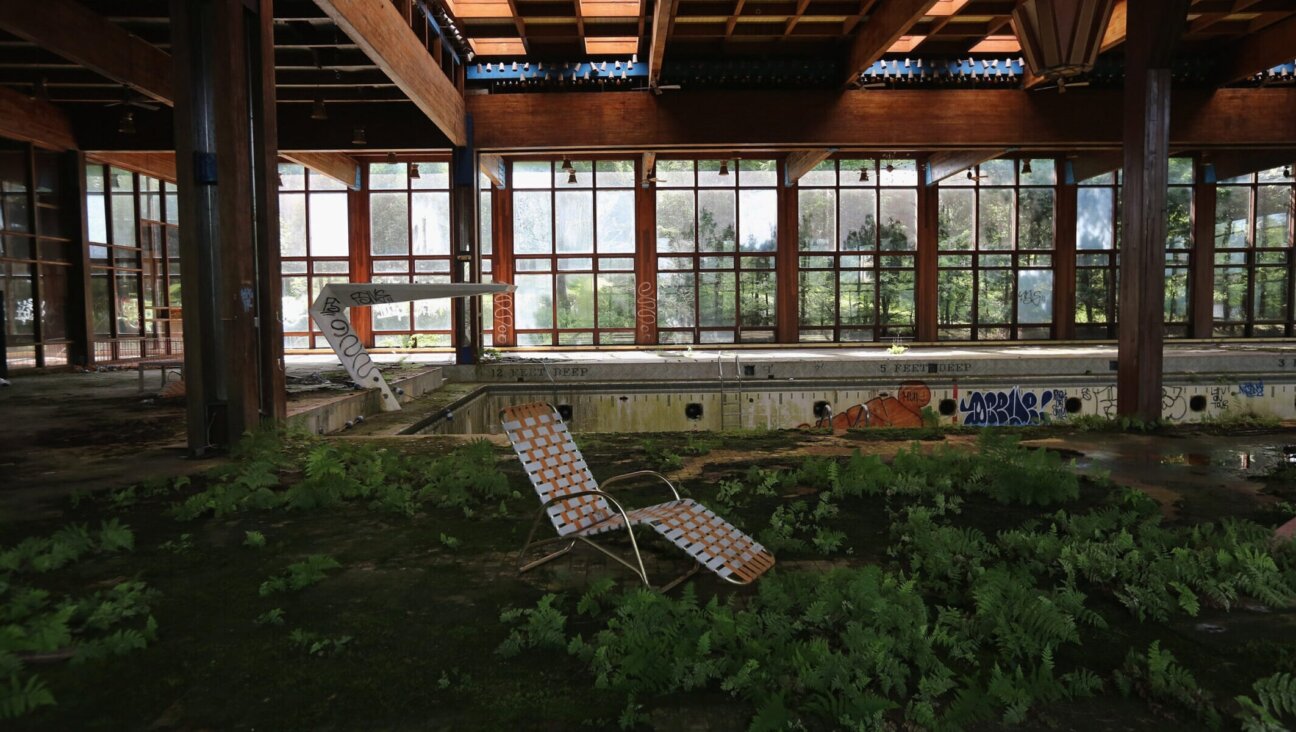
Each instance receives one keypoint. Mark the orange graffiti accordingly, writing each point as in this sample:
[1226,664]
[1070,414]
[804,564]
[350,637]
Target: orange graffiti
[902,410]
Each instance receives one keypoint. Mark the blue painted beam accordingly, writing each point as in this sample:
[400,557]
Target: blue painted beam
[526,71]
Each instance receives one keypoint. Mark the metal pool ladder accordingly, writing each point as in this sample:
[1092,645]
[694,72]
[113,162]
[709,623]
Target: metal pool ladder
[731,416]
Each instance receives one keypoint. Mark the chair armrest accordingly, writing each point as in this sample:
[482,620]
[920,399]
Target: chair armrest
[578,494]
[643,474]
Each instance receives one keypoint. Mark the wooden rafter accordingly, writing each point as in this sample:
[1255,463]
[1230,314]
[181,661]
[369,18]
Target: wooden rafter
[791,23]
[157,164]
[892,20]
[520,25]
[35,121]
[1093,164]
[380,31]
[492,166]
[800,163]
[849,25]
[338,166]
[1257,52]
[663,18]
[1233,163]
[733,18]
[80,35]
[1208,19]
[945,164]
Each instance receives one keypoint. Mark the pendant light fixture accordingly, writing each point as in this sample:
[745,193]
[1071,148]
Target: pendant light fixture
[391,158]
[571,177]
[358,136]
[414,172]
[318,111]
[1026,167]
[126,125]
[970,176]
[864,174]
[890,168]
[724,168]
[567,164]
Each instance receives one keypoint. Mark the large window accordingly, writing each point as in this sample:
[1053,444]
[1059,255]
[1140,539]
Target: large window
[1097,244]
[995,240]
[1253,241]
[857,235]
[313,244]
[573,249]
[486,248]
[717,227]
[1179,244]
[36,251]
[133,228]
[409,239]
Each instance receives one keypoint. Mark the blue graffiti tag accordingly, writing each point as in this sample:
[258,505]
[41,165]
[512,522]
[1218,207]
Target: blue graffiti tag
[1251,389]
[1005,408]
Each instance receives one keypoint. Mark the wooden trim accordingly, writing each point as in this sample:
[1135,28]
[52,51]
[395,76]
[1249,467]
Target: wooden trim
[800,163]
[258,28]
[1115,33]
[645,266]
[882,120]
[80,35]
[1202,260]
[342,168]
[380,31]
[360,254]
[160,165]
[1064,256]
[80,322]
[883,28]
[942,165]
[31,120]
[786,262]
[502,263]
[926,291]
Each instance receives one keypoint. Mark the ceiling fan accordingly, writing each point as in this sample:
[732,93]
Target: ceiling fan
[131,98]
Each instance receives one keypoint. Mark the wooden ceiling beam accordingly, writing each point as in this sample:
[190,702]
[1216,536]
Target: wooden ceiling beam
[663,18]
[1115,33]
[733,18]
[157,164]
[1208,19]
[492,166]
[340,167]
[78,34]
[380,31]
[1274,45]
[851,22]
[1093,164]
[791,23]
[33,120]
[880,120]
[942,165]
[884,27]
[800,163]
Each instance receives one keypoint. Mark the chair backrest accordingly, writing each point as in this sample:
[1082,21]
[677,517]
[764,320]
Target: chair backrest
[554,464]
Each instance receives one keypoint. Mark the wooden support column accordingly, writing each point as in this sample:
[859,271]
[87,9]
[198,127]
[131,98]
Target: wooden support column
[1064,254]
[359,253]
[80,308]
[925,290]
[787,270]
[645,253]
[229,218]
[465,312]
[1202,261]
[502,264]
[1153,29]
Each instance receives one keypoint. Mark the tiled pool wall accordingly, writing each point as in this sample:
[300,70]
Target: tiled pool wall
[664,407]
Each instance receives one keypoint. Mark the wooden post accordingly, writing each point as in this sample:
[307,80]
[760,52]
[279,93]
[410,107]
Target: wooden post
[786,265]
[1153,30]
[925,284]
[465,312]
[226,152]
[502,266]
[1064,254]
[80,321]
[1202,259]
[359,255]
[645,257]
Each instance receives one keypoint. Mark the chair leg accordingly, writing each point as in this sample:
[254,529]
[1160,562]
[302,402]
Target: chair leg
[523,568]
[676,582]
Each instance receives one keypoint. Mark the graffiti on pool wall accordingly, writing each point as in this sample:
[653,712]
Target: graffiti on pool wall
[1251,389]
[884,410]
[1013,408]
[1102,398]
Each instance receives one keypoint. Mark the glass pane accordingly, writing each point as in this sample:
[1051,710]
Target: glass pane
[614,173]
[616,222]
[717,299]
[954,296]
[388,223]
[123,220]
[818,220]
[898,173]
[328,225]
[128,309]
[1273,214]
[675,221]
[757,296]
[1231,214]
[575,301]
[1094,218]
[998,172]
[1181,171]
[532,222]
[849,172]
[823,174]
[431,176]
[709,173]
[817,298]
[318,182]
[758,220]
[575,221]
[896,297]
[858,230]
[293,177]
[430,223]
[995,292]
[1179,217]
[485,223]
[1043,173]
[955,218]
[1271,293]
[581,175]
[996,221]
[675,173]
[1093,295]
[391,316]
[856,298]
[532,174]
[675,296]
[292,224]
[758,173]
[96,217]
[1035,296]
[716,221]
[1035,225]
[534,301]
[1176,295]
[898,212]
[388,176]
[616,294]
